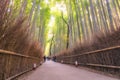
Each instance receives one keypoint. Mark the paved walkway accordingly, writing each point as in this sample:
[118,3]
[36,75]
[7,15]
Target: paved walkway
[56,71]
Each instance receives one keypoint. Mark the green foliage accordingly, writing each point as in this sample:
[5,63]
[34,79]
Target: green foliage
[71,9]
[29,6]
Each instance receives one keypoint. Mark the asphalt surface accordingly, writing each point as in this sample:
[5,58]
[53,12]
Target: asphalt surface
[56,71]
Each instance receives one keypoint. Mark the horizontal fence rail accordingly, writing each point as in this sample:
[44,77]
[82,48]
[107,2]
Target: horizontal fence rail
[13,64]
[107,59]
[95,52]
[15,54]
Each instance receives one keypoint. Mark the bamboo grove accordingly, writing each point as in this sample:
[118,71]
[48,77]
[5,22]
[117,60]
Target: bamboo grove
[17,26]
[92,35]
[84,20]
[20,46]
[63,24]
[62,28]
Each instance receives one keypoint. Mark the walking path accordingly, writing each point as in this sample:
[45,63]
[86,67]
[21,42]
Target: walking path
[56,71]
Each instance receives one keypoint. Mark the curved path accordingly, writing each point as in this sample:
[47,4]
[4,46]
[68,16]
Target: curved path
[56,71]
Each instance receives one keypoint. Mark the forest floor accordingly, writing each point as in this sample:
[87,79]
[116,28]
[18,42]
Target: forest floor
[56,71]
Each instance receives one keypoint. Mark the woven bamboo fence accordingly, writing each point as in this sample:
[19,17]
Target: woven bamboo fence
[12,64]
[106,60]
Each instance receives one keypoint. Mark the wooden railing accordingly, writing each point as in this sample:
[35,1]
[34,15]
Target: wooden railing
[13,64]
[107,60]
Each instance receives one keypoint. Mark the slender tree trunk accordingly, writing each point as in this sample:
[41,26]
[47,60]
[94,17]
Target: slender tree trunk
[68,31]
[31,11]
[34,21]
[51,45]
[95,26]
[116,17]
[77,16]
[102,18]
[118,4]
[81,22]
[23,7]
[85,22]
[110,15]
[89,20]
